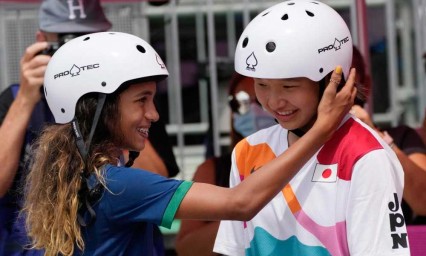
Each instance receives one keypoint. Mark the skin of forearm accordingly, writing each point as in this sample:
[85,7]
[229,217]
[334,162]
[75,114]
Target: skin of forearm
[244,201]
[198,242]
[12,135]
[414,183]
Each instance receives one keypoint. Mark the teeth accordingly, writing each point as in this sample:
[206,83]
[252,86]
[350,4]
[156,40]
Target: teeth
[286,112]
[143,130]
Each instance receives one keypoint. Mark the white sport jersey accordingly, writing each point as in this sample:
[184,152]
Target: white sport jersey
[344,201]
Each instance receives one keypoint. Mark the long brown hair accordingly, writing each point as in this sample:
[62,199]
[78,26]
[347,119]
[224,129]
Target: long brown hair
[53,184]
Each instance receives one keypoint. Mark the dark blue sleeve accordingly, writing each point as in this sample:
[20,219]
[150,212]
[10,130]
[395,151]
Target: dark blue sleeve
[135,195]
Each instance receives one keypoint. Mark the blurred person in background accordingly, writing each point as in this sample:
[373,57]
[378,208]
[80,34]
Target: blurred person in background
[407,145]
[24,112]
[196,237]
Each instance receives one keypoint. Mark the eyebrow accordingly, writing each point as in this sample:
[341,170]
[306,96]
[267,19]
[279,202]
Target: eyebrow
[145,93]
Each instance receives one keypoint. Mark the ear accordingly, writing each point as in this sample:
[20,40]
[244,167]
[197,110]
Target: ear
[40,36]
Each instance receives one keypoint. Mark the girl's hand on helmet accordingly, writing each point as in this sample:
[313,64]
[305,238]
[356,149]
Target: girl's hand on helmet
[335,105]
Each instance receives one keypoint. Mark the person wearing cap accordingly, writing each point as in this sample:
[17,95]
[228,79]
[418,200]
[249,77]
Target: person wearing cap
[24,111]
[346,199]
[80,199]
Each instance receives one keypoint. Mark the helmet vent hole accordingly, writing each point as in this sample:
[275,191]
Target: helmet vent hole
[270,47]
[266,13]
[290,3]
[285,17]
[86,38]
[141,49]
[103,84]
[321,70]
[62,110]
[310,14]
[245,42]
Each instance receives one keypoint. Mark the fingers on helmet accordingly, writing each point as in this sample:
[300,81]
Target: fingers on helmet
[336,76]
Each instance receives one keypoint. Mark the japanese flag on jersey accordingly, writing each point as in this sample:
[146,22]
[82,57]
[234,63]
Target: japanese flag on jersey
[325,173]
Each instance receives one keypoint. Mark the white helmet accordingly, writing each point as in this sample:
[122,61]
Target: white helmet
[99,62]
[299,38]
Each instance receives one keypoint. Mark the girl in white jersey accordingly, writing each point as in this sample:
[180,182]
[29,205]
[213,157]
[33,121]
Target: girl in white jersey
[345,200]
[80,200]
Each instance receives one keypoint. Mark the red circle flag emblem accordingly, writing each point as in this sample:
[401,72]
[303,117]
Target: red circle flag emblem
[325,173]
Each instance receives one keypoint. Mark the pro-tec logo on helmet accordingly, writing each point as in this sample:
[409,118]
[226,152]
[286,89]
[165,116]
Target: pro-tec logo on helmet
[75,70]
[336,45]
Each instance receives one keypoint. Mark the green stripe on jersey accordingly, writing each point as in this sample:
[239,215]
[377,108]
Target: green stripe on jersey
[174,203]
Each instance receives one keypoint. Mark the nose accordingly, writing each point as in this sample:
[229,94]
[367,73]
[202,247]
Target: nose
[152,114]
[276,100]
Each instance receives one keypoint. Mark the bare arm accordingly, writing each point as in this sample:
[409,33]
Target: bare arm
[414,166]
[205,201]
[13,128]
[196,237]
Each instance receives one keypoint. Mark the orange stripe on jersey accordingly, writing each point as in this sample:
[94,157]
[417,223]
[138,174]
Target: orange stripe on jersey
[291,199]
[249,158]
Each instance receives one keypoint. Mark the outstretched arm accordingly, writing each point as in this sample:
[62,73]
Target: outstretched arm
[13,128]
[205,201]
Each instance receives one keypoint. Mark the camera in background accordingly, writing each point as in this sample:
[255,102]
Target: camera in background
[62,39]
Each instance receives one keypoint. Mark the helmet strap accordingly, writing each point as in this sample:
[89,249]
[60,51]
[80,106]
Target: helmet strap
[79,141]
[298,132]
[89,196]
[83,148]
[132,156]
[99,107]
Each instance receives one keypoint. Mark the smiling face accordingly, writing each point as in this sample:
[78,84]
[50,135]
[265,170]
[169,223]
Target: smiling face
[137,112]
[293,102]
